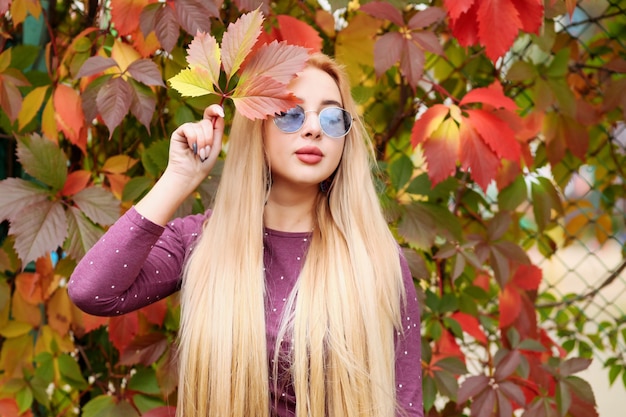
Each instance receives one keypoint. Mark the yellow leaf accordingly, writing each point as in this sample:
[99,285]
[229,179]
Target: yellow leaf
[604,228]
[15,329]
[23,311]
[34,8]
[16,354]
[192,83]
[119,164]
[124,55]
[5,59]
[31,105]
[18,11]
[50,341]
[48,122]
[239,39]
[60,312]
[355,45]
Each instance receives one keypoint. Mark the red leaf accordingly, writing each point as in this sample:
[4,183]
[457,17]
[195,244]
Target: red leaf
[471,326]
[123,329]
[510,305]
[75,182]
[297,32]
[493,95]
[464,27]
[69,115]
[9,408]
[428,123]
[383,10]
[441,151]
[495,132]
[447,346]
[164,411]
[456,8]
[155,312]
[498,25]
[527,277]
[125,15]
[530,13]
[387,51]
[477,158]
[91,323]
[114,100]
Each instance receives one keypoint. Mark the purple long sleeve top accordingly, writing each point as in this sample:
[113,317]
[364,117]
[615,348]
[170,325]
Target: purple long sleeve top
[138,262]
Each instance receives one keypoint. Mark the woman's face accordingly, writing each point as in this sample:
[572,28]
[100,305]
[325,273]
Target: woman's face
[307,156]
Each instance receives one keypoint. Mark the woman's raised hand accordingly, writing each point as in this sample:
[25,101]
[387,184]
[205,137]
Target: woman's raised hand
[195,147]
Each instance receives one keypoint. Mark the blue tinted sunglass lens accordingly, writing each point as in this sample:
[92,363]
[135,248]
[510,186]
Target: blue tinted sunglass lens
[335,121]
[291,120]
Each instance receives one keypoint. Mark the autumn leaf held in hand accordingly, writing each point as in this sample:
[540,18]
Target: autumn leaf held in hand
[260,88]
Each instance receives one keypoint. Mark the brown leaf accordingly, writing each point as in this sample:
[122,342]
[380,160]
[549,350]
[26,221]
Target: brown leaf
[166,27]
[114,100]
[145,71]
[193,15]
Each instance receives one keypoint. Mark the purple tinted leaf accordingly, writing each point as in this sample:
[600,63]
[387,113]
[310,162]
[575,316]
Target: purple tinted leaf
[484,403]
[145,349]
[412,62]
[471,387]
[166,28]
[143,104]
[507,365]
[383,10]
[418,226]
[113,100]
[512,391]
[428,41]
[82,234]
[145,71]
[39,230]
[98,204]
[193,15]
[574,365]
[387,52]
[88,97]
[447,384]
[505,409]
[147,18]
[426,17]
[563,398]
[249,5]
[581,389]
[16,194]
[10,100]
[95,65]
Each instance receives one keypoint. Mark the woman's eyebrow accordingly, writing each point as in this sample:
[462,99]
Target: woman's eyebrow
[329,102]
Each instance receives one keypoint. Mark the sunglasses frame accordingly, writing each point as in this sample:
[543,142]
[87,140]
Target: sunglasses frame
[319,120]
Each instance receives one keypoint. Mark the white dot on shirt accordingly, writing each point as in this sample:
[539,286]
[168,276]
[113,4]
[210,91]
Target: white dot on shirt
[406,352]
[410,404]
[399,385]
[122,298]
[97,296]
[305,239]
[117,251]
[125,265]
[112,286]
[169,255]
[90,262]
[282,277]
[298,258]
[273,309]
[147,298]
[135,295]
[131,227]
[157,271]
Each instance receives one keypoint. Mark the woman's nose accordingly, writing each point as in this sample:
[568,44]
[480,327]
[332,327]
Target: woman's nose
[311,127]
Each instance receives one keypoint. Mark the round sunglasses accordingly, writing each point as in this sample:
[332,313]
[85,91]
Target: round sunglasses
[334,121]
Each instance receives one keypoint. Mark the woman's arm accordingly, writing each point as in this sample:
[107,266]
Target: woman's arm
[409,352]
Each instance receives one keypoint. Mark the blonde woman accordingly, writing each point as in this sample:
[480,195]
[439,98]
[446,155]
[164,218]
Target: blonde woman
[295,298]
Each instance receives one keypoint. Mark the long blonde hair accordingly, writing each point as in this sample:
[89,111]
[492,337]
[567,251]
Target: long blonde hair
[342,314]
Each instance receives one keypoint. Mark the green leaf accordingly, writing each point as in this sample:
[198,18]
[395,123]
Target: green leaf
[40,230]
[154,159]
[513,195]
[98,204]
[521,71]
[429,392]
[145,381]
[43,160]
[400,171]
[239,39]
[82,234]
[24,399]
[417,226]
[559,66]
[70,372]
[15,329]
[136,188]
[447,384]
[100,406]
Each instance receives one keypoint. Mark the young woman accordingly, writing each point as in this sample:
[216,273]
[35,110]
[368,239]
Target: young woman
[295,299]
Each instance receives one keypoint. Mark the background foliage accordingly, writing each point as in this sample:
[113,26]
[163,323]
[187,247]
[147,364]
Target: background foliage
[481,112]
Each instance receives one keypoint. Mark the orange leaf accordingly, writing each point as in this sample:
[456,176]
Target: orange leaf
[296,32]
[510,305]
[260,97]
[155,312]
[76,181]
[125,15]
[91,323]
[471,326]
[482,281]
[117,182]
[24,311]
[123,329]
[69,115]
[35,287]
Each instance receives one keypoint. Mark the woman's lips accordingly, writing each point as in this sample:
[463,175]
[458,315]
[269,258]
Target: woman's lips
[309,155]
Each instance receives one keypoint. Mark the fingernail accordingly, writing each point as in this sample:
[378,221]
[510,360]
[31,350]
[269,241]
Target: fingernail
[202,154]
[207,151]
[220,111]
[194,147]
